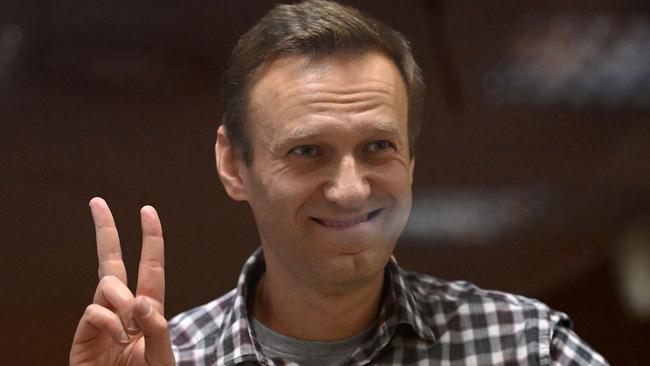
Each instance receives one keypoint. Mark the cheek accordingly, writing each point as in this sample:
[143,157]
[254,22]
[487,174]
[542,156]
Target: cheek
[395,179]
[395,185]
[279,192]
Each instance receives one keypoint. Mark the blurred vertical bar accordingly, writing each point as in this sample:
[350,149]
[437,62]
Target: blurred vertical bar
[11,36]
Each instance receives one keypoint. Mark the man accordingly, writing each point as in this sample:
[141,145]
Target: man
[321,111]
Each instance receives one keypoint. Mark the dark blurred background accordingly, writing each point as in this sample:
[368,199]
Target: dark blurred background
[532,174]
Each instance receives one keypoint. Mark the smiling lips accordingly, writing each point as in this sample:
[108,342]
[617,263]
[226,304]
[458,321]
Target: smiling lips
[343,224]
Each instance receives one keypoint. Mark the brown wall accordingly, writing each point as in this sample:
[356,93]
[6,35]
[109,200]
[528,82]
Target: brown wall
[119,100]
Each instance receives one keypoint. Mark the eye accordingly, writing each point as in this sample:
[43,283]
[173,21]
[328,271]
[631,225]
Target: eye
[305,150]
[380,145]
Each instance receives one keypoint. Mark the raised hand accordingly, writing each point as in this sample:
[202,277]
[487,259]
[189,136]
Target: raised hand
[119,328]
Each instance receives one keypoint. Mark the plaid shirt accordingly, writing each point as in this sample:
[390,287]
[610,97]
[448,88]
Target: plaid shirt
[423,321]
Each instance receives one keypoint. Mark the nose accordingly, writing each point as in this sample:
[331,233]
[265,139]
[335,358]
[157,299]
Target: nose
[349,187]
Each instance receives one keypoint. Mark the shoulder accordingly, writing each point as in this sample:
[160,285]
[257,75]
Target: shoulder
[458,298]
[202,324]
[461,313]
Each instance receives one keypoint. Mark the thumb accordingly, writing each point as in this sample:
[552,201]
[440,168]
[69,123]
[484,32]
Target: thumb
[157,345]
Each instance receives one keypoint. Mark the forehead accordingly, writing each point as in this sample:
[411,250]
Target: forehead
[313,72]
[296,89]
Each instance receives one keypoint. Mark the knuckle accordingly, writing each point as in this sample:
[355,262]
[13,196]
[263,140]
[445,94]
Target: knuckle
[152,264]
[108,279]
[105,281]
[113,285]
[155,323]
[93,312]
[89,309]
[160,326]
[115,293]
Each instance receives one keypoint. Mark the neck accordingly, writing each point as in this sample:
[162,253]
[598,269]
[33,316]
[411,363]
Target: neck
[300,311]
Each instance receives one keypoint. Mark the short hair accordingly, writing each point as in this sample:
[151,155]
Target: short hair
[312,28]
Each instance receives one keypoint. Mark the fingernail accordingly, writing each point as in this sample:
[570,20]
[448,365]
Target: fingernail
[133,327]
[144,308]
[124,338]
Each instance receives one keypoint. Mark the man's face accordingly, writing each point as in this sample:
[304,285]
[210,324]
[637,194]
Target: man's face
[330,179]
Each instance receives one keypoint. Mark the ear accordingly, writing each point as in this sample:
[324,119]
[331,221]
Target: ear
[229,167]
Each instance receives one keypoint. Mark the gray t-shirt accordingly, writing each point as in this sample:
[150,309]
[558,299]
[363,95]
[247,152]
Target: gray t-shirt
[306,353]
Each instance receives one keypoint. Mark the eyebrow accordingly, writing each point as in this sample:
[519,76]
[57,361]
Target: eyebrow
[295,135]
[299,134]
[386,127]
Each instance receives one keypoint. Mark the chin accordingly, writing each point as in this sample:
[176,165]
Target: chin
[354,269]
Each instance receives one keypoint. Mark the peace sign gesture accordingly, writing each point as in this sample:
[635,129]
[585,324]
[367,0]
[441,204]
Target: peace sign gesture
[119,328]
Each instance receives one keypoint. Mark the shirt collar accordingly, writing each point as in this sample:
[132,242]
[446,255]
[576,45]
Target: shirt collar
[237,333]
[399,307]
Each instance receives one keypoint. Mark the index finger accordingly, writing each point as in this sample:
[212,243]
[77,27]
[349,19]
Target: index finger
[109,253]
[151,273]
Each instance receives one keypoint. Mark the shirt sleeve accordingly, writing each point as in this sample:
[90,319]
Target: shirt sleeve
[567,349]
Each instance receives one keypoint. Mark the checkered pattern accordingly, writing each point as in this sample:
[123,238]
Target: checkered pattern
[423,321]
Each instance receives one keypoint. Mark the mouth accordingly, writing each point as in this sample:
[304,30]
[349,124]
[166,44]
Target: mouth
[347,222]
